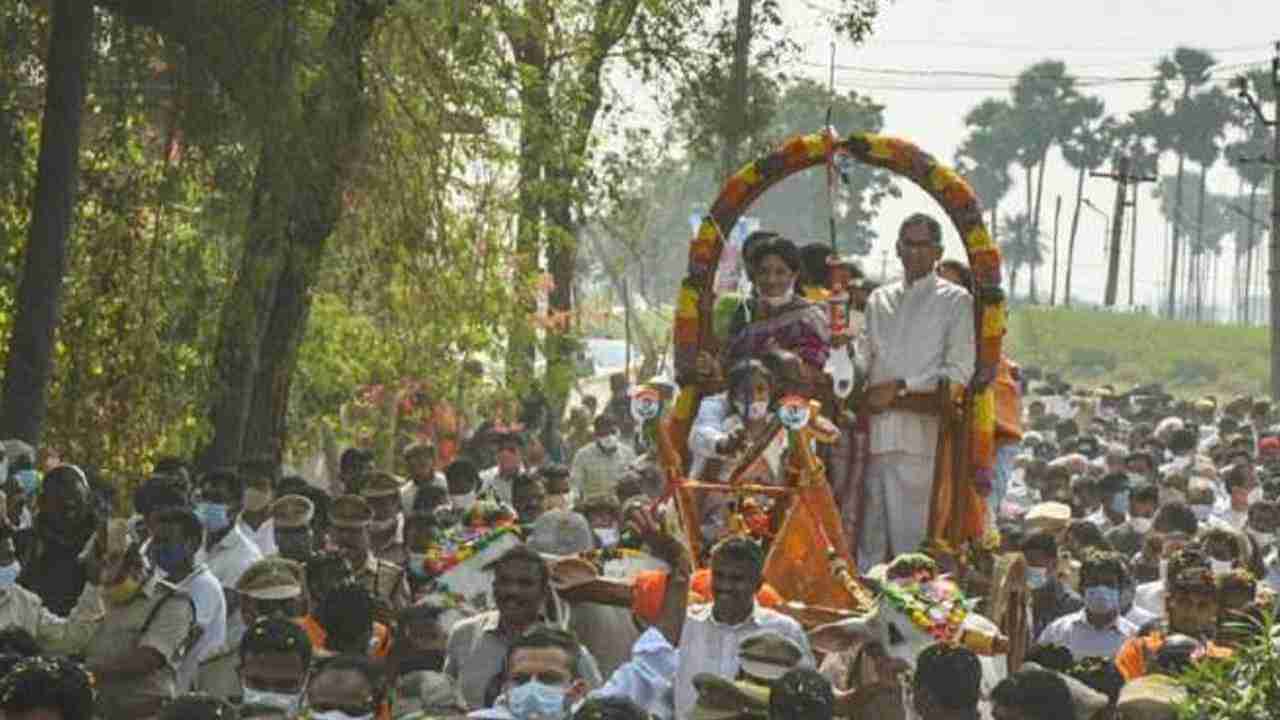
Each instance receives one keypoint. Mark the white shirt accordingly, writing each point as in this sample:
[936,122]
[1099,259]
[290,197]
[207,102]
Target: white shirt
[714,422]
[211,618]
[1074,632]
[707,645]
[497,485]
[1224,516]
[230,557]
[648,678]
[264,537]
[1150,597]
[921,334]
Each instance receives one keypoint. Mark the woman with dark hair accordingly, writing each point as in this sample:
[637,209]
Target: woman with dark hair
[776,320]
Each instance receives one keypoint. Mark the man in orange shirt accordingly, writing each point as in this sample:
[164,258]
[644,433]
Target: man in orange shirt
[1191,605]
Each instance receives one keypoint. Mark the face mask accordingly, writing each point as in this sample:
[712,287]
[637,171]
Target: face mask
[283,701]
[123,591]
[1202,511]
[170,557]
[779,301]
[1220,567]
[608,443]
[608,536]
[383,525]
[418,565]
[1102,600]
[213,516]
[9,574]
[1037,577]
[1255,495]
[757,410]
[1120,503]
[463,501]
[28,480]
[1140,525]
[535,699]
[339,715]
[255,499]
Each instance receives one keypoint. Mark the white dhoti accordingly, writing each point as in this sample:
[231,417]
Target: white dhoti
[896,518]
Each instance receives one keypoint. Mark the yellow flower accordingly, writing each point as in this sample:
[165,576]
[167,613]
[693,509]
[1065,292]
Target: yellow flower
[687,304]
[880,147]
[994,322]
[979,239]
[750,174]
[817,144]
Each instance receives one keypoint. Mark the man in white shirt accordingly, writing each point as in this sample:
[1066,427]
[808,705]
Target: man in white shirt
[713,633]
[1233,511]
[510,463]
[920,332]
[1097,630]
[261,475]
[599,464]
[226,554]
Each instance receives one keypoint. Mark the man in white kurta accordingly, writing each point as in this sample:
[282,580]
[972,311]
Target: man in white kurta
[920,332]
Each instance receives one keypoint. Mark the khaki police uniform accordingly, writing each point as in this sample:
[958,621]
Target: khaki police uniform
[385,581]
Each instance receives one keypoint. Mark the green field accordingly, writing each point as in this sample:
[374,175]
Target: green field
[1091,348]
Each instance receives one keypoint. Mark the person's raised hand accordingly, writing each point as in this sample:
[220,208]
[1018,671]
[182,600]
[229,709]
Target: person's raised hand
[661,542]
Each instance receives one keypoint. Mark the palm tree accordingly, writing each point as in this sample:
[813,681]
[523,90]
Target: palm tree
[1207,115]
[1090,143]
[1043,96]
[1019,248]
[1242,156]
[1162,121]
[1143,161]
[986,154]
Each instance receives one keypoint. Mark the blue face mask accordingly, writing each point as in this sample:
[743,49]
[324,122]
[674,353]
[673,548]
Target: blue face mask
[535,699]
[1120,503]
[29,480]
[9,574]
[1102,600]
[170,557]
[213,516]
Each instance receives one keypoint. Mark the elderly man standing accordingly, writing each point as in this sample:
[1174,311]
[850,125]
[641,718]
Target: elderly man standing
[920,333]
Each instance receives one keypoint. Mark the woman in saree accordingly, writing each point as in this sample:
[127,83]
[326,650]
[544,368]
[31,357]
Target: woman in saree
[776,320]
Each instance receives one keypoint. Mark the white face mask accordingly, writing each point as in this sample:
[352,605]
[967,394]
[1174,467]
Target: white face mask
[9,574]
[1255,495]
[608,536]
[284,701]
[608,443]
[339,715]
[1140,525]
[463,501]
[1202,511]
[1220,567]
[779,301]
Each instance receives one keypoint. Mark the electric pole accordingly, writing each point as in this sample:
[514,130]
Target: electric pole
[1273,272]
[1123,180]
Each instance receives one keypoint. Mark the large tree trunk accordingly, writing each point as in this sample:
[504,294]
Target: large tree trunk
[312,145]
[39,301]
[1071,241]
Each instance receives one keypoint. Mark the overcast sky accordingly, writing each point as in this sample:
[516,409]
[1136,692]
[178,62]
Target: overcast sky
[1106,38]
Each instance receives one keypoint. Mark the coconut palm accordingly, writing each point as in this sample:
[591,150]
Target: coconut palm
[1020,248]
[1043,97]
[1089,144]
[1178,76]
[1243,155]
[1207,116]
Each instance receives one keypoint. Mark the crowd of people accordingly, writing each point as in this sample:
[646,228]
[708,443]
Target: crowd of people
[1146,527]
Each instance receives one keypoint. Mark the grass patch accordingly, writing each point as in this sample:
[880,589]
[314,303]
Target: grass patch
[1091,347]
